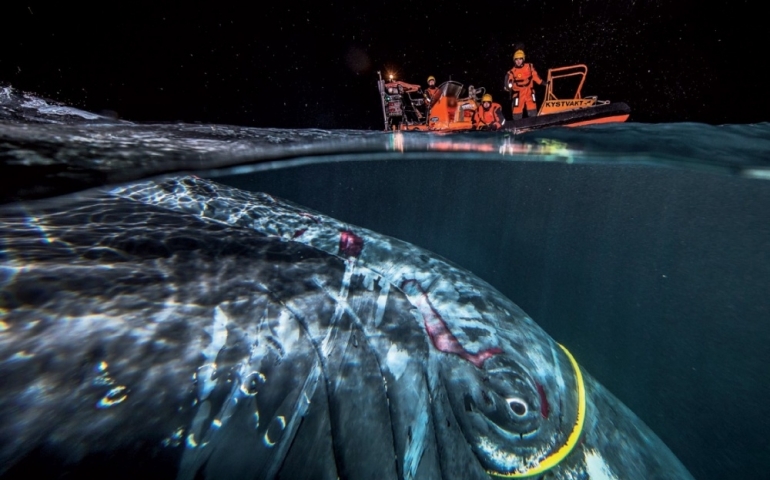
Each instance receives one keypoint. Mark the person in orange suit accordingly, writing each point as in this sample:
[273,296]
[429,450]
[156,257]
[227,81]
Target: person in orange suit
[489,116]
[519,81]
[431,93]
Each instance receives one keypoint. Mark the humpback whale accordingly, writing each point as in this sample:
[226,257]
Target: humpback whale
[179,327]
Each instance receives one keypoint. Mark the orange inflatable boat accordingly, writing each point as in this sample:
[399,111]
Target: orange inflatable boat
[405,107]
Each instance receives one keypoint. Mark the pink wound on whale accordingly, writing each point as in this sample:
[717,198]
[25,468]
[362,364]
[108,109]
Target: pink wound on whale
[438,331]
[350,244]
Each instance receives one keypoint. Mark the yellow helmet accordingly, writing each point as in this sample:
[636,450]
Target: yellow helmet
[431,78]
[518,54]
[486,98]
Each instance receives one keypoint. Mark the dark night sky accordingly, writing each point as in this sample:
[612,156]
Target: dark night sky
[284,64]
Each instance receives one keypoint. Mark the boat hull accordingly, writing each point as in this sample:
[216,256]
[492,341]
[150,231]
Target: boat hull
[608,113]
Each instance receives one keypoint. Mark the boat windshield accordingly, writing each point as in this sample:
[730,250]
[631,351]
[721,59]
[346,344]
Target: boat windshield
[451,89]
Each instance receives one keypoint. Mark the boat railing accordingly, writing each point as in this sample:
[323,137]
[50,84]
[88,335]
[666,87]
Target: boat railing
[564,72]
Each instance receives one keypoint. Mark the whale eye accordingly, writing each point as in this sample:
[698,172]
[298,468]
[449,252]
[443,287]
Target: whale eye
[518,406]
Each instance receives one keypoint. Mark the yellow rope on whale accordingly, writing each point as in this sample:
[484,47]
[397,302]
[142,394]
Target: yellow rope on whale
[559,455]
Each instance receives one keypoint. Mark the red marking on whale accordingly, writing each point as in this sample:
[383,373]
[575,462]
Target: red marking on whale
[350,244]
[438,331]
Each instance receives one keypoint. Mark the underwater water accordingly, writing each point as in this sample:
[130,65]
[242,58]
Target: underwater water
[644,249]
[658,277]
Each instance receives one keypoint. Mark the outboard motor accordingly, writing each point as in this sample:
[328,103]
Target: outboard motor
[392,103]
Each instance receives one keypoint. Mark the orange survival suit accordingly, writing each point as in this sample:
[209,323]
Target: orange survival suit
[432,91]
[432,94]
[519,81]
[490,117]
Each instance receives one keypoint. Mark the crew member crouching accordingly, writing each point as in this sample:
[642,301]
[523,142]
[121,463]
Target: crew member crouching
[489,116]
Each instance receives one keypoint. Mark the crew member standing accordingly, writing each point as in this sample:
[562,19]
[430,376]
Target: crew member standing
[489,116]
[519,81]
[431,93]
